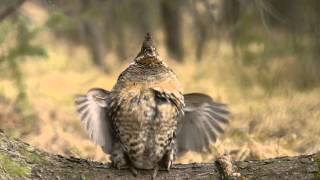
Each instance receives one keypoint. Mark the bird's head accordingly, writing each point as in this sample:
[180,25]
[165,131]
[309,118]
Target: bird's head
[148,54]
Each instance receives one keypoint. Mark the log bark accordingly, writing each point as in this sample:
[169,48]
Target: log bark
[19,160]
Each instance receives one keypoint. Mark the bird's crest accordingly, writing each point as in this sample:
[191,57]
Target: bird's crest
[148,53]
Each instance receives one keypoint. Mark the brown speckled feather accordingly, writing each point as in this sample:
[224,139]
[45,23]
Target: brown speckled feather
[145,118]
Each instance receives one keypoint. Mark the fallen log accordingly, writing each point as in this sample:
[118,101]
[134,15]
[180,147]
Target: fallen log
[19,160]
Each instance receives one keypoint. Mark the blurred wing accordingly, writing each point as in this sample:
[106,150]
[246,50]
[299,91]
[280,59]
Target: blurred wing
[203,121]
[93,110]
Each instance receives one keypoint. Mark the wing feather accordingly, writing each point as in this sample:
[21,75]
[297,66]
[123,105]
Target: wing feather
[202,123]
[93,110]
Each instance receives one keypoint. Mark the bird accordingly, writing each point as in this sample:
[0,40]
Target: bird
[145,121]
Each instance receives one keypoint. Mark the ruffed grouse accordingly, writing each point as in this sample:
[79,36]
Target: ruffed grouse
[145,120]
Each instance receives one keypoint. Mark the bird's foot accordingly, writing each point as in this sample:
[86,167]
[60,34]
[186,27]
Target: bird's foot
[119,162]
[155,172]
[118,158]
[133,171]
[169,158]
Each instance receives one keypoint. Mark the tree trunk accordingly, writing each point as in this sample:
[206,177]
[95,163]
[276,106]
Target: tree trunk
[19,160]
[94,38]
[95,43]
[8,7]
[171,18]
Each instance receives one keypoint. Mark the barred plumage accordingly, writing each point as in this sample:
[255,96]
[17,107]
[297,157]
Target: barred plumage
[145,120]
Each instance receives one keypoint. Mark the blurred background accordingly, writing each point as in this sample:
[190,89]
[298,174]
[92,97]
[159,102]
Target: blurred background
[261,57]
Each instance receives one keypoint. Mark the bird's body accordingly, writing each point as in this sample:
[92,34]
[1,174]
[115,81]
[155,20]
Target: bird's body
[143,122]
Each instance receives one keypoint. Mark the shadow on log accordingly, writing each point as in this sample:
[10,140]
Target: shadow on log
[18,160]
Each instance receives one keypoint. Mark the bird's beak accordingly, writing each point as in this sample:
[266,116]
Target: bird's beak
[150,52]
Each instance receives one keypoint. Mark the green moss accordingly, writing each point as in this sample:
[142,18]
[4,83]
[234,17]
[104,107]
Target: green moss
[12,168]
[317,159]
[30,155]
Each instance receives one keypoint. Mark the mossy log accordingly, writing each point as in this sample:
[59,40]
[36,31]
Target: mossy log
[19,160]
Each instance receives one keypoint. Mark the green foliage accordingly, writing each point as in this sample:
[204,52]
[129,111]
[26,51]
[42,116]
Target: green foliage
[4,30]
[13,168]
[10,61]
[58,20]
